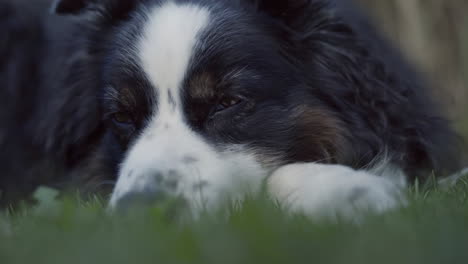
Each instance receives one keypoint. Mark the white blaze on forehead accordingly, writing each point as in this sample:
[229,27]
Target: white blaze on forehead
[169,39]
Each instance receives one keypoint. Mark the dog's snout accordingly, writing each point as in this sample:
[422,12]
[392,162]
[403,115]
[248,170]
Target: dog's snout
[146,189]
[138,198]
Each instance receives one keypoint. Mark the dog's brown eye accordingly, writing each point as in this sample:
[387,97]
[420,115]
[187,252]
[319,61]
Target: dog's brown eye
[228,102]
[122,118]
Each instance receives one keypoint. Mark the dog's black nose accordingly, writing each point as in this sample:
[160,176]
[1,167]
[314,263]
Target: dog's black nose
[148,189]
[139,199]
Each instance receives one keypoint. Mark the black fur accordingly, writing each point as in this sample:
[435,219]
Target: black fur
[320,55]
[50,115]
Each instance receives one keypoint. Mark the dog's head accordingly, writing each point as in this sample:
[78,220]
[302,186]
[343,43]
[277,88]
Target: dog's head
[204,97]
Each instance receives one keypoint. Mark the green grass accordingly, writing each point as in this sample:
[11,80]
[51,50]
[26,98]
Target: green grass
[432,229]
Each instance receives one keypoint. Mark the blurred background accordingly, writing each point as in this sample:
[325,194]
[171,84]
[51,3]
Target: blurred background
[434,36]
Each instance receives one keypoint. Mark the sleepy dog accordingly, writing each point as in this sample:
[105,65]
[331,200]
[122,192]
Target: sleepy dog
[206,99]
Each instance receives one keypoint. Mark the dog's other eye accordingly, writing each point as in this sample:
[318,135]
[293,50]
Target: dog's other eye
[228,102]
[122,118]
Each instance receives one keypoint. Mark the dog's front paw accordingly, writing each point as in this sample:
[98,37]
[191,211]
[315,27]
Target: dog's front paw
[332,190]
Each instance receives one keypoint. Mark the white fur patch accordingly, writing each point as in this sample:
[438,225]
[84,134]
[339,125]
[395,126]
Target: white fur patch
[169,39]
[453,179]
[333,190]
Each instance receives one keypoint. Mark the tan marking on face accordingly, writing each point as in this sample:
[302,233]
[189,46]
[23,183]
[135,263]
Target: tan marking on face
[126,97]
[202,86]
[321,133]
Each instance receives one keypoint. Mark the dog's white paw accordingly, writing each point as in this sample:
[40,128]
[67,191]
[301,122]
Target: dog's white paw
[333,190]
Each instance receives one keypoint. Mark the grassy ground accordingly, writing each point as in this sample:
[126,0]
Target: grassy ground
[432,229]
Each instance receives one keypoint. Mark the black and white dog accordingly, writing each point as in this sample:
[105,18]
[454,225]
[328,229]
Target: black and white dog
[206,99]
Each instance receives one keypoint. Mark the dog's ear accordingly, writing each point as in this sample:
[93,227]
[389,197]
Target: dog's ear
[296,14]
[280,8]
[65,7]
[108,11]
